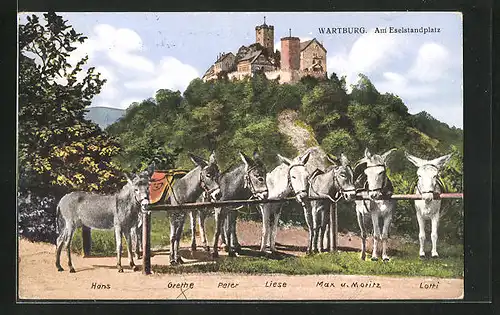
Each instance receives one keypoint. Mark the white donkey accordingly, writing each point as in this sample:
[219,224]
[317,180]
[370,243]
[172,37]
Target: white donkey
[428,208]
[377,185]
[290,177]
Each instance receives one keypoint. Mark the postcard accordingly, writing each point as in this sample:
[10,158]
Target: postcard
[240,156]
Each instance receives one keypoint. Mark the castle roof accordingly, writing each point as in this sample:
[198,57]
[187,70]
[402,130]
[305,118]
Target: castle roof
[304,45]
[223,56]
[252,56]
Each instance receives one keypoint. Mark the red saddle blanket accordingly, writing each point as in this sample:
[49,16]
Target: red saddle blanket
[161,183]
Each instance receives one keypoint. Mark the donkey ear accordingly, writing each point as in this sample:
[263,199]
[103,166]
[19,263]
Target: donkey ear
[248,162]
[386,154]
[284,160]
[344,161]
[128,179]
[151,169]
[368,154]
[256,155]
[212,158]
[441,161]
[414,160]
[197,160]
[332,159]
[305,158]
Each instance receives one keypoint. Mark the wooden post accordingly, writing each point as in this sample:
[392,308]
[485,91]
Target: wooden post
[86,240]
[146,243]
[333,227]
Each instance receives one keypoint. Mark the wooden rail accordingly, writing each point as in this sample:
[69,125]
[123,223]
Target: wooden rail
[146,216]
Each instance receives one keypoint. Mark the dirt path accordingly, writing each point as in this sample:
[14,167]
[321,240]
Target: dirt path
[39,279]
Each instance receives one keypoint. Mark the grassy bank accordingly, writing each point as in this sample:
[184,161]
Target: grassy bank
[405,262]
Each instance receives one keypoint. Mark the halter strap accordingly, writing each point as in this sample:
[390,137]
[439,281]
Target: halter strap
[290,180]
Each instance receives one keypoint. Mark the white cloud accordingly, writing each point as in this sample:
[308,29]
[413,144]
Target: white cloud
[171,74]
[400,85]
[371,51]
[433,60]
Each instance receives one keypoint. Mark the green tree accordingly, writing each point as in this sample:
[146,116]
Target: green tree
[59,150]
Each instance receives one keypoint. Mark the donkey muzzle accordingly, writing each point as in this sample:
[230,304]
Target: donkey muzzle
[262,195]
[216,194]
[349,195]
[374,195]
[144,203]
[428,196]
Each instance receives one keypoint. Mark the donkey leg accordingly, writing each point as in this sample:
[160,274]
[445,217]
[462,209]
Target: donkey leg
[362,227]
[322,231]
[385,235]
[309,222]
[178,238]
[173,226]
[118,238]
[234,236]
[265,227]
[434,234]
[230,249]
[316,215]
[201,221]
[128,237]
[219,221]
[192,215]
[274,230]
[376,236]
[421,234]
[69,237]
[59,245]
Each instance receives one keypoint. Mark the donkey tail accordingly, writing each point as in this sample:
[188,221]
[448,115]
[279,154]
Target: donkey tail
[59,220]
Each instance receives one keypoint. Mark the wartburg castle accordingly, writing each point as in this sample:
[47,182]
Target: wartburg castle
[295,60]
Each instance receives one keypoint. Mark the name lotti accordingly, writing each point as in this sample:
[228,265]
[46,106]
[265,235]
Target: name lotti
[275,284]
[424,285]
[100,286]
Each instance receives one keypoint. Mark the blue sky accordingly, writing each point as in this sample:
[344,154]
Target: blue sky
[140,53]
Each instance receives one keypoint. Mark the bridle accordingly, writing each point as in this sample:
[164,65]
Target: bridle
[290,181]
[204,186]
[384,184]
[426,192]
[250,185]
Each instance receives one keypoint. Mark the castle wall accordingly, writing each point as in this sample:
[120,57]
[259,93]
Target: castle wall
[310,54]
[290,53]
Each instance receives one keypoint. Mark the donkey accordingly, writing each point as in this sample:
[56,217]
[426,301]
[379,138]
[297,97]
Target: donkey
[335,183]
[428,208]
[245,181]
[287,178]
[376,184]
[203,178]
[119,212]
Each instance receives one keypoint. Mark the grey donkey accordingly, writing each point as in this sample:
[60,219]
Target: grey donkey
[428,208]
[375,183]
[288,178]
[335,183]
[119,211]
[245,181]
[204,178]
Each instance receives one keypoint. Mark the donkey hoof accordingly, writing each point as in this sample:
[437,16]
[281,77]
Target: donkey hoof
[435,256]
[60,269]
[231,254]
[72,270]
[422,256]
[179,260]
[363,257]
[120,269]
[135,268]
[374,258]
[226,249]
[386,259]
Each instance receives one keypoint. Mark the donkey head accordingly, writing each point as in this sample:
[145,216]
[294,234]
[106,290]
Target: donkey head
[209,175]
[375,172]
[140,185]
[427,173]
[255,175]
[343,176]
[297,176]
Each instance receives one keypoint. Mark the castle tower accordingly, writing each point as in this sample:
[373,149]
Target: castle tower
[290,59]
[264,35]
